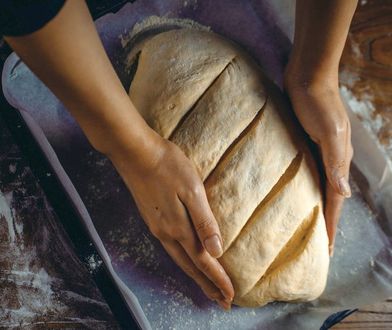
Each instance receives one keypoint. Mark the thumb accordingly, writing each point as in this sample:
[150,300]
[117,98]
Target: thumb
[204,222]
[336,151]
[333,207]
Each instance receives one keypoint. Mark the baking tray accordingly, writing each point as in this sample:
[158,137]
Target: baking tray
[166,298]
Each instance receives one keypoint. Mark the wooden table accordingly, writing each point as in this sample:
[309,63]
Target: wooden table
[366,74]
[43,284]
[374,317]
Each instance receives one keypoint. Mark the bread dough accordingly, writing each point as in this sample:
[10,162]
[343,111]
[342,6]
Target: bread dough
[207,96]
[271,226]
[204,135]
[173,74]
[254,165]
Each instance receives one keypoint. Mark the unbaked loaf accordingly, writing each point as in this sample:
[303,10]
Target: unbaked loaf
[205,94]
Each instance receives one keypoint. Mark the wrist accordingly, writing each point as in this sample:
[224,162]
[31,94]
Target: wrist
[136,145]
[300,78]
[122,135]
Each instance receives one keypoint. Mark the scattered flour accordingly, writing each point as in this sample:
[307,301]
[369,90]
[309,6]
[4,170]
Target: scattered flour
[356,48]
[6,214]
[12,168]
[140,248]
[93,263]
[156,22]
[372,121]
[34,295]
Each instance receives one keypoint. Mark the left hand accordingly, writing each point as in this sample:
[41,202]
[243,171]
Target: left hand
[320,110]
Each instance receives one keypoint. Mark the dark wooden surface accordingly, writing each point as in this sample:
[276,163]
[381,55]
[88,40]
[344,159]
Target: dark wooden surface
[42,282]
[366,67]
[374,317]
[366,72]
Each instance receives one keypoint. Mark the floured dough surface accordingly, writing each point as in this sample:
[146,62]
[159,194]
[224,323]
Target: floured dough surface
[207,96]
[210,118]
[174,74]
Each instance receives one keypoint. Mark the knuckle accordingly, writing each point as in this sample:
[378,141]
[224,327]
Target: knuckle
[197,189]
[189,271]
[215,295]
[335,170]
[194,190]
[156,231]
[350,152]
[203,225]
[337,129]
[204,265]
[336,165]
[331,132]
[179,234]
[335,132]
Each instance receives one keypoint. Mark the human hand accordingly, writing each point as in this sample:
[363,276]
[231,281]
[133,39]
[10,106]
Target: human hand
[172,201]
[320,110]
[164,183]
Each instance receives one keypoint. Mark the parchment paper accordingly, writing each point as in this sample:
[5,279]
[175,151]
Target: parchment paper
[156,290]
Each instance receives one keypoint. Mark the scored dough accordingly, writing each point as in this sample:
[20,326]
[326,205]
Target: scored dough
[270,227]
[217,119]
[207,96]
[302,273]
[174,75]
[233,198]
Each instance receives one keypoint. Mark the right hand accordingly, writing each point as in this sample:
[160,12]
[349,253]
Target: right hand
[172,200]
[162,180]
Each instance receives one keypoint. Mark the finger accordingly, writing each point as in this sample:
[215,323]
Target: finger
[336,153]
[203,260]
[204,222]
[176,251]
[333,207]
[208,266]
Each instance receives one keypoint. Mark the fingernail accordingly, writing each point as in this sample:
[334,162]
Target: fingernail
[344,187]
[331,249]
[215,296]
[227,296]
[213,246]
[223,304]
[220,303]
[229,301]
